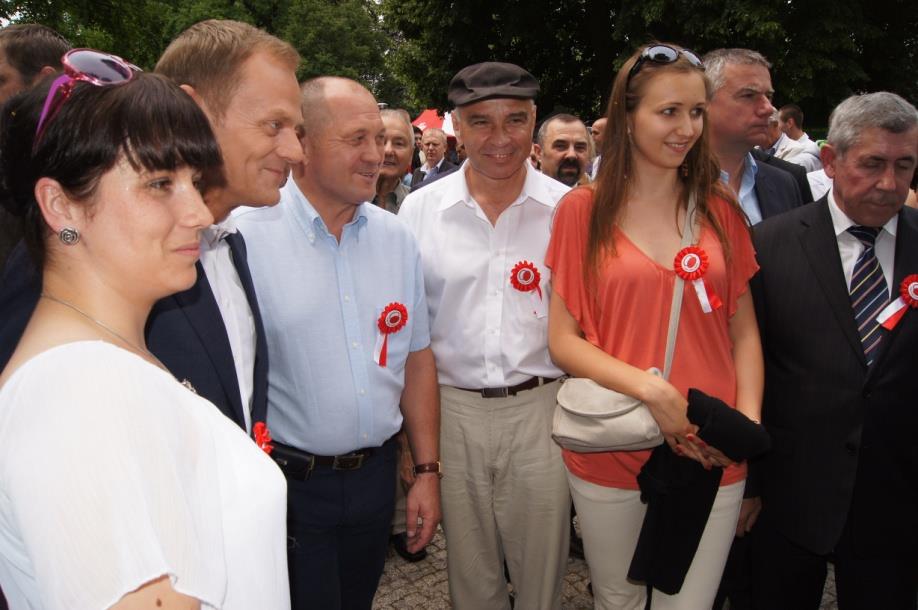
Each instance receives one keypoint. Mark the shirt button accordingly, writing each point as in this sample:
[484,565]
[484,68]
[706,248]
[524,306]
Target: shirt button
[354,344]
[347,299]
[364,437]
[362,392]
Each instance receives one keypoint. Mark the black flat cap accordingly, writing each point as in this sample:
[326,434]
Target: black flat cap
[491,79]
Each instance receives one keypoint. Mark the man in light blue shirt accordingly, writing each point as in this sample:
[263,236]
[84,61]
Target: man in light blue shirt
[341,289]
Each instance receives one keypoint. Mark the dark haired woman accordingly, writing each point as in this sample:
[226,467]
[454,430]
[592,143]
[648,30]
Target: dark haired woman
[612,256]
[119,486]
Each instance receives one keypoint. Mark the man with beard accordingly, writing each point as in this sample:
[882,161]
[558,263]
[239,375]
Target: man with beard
[562,148]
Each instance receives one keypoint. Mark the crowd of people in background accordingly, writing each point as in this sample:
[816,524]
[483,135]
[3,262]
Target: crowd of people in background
[254,332]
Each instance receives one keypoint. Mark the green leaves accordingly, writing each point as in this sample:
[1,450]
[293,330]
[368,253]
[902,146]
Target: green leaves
[406,51]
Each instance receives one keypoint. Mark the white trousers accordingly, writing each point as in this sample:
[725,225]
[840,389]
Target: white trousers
[610,522]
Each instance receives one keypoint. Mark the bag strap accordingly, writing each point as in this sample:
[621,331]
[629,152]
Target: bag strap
[688,236]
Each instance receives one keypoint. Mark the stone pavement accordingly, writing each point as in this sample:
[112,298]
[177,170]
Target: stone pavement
[422,585]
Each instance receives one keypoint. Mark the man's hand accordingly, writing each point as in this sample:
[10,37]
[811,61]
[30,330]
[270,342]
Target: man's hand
[749,512]
[423,508]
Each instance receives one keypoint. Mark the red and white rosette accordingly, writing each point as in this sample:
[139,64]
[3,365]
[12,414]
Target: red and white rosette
[691,264]
[392,319]
[908,297]
[525,277]
[263,437]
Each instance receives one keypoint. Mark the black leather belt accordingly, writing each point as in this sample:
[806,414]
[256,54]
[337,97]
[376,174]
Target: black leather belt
[533,382]
[299,465]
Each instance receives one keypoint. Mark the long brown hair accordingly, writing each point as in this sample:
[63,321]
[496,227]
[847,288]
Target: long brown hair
[612,185]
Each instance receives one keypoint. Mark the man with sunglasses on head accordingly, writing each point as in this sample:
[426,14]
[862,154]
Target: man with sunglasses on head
[211,334]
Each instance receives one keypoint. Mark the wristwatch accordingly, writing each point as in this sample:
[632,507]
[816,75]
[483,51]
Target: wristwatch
[429,467]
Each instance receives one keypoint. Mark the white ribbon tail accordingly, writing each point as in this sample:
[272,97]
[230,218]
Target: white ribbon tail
[698,285]
[890,310]
[538,305]
[377,351]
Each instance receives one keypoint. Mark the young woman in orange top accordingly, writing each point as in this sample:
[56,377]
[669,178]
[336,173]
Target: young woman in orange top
[612,256]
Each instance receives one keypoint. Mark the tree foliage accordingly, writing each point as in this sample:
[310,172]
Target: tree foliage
[339,37]
[406,51]
[822,50]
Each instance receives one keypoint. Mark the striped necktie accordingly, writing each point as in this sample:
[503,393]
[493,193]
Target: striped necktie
[869,293]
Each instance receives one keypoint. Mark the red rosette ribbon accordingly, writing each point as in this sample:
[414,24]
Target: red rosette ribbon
[263,437]
[525,277]
[691,264]
[392,319]
[908,297]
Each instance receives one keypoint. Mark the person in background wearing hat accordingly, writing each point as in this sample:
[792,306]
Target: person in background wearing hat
[483,232]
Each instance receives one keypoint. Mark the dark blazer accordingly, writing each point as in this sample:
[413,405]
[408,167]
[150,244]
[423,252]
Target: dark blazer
[187,333]
[184,330]
[19,293]
[418,176]
[776,191]
[795,170]
[843,435]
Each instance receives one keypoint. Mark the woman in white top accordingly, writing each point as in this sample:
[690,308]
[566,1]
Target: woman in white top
[119,486]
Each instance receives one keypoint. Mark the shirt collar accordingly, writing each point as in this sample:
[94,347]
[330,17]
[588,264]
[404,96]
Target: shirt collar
[217,231]
[310,220]
[456,189]
[841,221]
[750,170]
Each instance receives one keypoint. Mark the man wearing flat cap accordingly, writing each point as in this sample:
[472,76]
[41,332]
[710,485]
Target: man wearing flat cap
[483,232]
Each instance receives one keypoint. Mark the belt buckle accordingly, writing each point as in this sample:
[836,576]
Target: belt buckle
[495,392]
[348,462]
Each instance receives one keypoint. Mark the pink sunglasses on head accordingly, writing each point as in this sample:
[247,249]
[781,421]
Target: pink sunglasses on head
[86,65]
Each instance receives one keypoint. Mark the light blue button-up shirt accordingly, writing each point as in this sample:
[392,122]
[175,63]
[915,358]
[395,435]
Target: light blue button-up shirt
[320,301]
[748,200]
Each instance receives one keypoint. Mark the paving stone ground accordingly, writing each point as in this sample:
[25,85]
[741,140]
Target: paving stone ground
[423,585]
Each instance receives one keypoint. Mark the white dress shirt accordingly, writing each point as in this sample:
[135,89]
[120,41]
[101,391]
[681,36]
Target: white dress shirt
[484,332]
[850,247]
[216,258]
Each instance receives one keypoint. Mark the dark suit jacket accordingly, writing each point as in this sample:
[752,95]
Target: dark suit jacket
[185,331]
[843,435]
[776,190]
[418,176]
[797,171]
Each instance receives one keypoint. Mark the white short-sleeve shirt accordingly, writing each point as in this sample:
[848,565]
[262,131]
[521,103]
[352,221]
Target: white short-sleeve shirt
[112,474]
[484,332]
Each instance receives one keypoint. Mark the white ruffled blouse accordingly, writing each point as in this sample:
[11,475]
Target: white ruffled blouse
[112,475]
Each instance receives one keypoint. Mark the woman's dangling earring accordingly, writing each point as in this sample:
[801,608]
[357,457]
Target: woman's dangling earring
[684,169]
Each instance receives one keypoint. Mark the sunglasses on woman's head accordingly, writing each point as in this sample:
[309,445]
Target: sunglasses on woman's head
[662,54]
[86,65]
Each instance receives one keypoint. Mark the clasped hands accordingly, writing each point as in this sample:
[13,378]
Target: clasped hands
[669,408]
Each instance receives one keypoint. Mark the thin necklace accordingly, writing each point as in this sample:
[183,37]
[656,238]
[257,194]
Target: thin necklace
[114,333]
